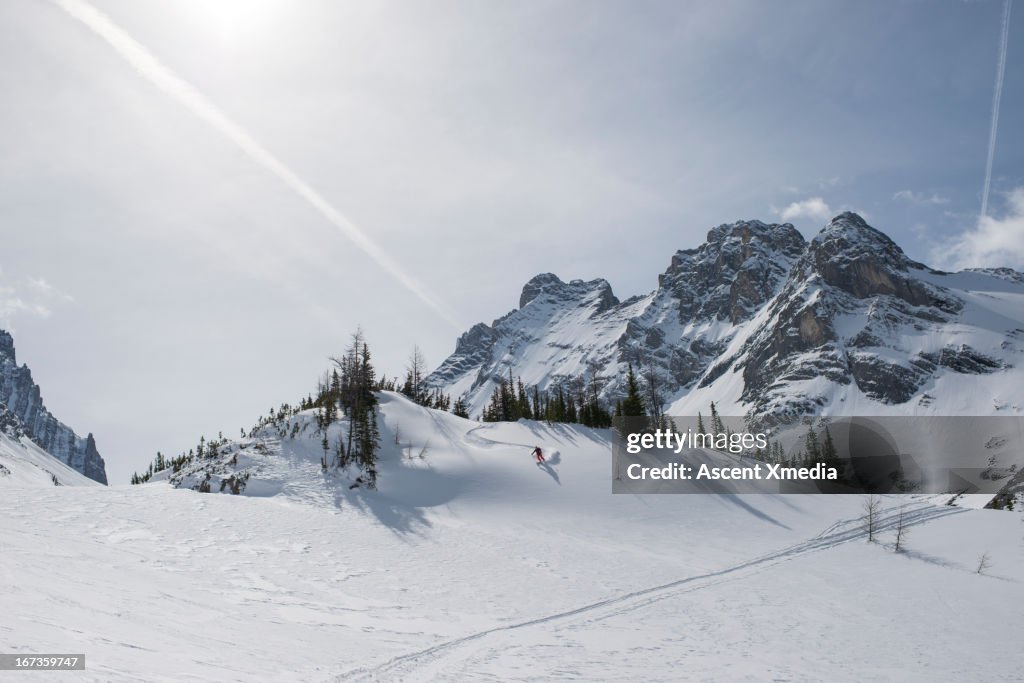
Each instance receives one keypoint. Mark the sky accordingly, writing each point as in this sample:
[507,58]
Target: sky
[201,200]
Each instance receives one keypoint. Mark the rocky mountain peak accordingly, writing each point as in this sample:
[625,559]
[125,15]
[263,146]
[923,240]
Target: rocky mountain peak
[476,336]
[22,412]
[6,346]
[738,268]
[854,257]
[848,237]
[537,285]
[552,287]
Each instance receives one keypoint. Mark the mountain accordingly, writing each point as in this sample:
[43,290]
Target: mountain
[762,322]
[24,416]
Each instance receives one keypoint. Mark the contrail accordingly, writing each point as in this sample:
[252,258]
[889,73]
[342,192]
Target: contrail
[147,65]
[998,95]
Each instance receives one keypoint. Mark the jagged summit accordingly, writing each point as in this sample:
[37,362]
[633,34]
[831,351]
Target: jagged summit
[760,320]
[7,345]
[735,270]
[22,413]
[856,258]
[848,237]
[551,287]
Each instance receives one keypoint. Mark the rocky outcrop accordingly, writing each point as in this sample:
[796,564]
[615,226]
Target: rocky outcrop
[22,413]
[734,272]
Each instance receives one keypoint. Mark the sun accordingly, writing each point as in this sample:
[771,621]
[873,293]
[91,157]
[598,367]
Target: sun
[235,21]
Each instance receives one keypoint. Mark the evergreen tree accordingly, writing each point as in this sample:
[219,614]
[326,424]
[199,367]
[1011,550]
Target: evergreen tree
[522,401]
[334,390]
[415,370]
[652,391]
[633,404]
[358,382]
[812,445]
[717,427]
[829,453]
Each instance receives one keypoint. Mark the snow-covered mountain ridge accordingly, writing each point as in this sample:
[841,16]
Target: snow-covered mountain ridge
[24,416]
[761,321]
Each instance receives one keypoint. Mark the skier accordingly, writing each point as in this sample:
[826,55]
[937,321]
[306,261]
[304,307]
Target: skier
[539,454]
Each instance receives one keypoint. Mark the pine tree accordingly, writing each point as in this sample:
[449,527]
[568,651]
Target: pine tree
[652,389]
[716,422]
[358,381]
[812,445]
[415,370]
[633,404]
[523,401]
[492,413]
[829,454]
[335,388]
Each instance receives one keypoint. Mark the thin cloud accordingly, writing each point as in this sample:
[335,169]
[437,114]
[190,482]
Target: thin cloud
[920,198]
[995,242]
[34,297]
[814,208]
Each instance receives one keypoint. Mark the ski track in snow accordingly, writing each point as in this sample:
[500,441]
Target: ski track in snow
[415,665]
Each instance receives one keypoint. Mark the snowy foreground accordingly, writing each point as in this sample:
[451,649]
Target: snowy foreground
[472,563]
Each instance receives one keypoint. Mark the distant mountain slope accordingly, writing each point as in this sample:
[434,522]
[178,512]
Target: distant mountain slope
[22,413]
[762,322]
[23,463]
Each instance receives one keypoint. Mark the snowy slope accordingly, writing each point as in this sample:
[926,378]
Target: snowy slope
[473,563]
[23,463]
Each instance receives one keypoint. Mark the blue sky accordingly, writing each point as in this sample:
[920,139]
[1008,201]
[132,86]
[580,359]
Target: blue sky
[162,284]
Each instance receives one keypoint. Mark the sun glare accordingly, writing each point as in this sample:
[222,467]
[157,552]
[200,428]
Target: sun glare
[235,21]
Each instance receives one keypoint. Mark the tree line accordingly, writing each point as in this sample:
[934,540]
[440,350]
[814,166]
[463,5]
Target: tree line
[574,400]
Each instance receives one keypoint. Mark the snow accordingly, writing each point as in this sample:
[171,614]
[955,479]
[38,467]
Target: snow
[23,463]
[472,562]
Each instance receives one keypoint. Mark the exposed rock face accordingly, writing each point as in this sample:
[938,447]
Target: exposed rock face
[763,322]
[22,413]
[734,272]
[853,271]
